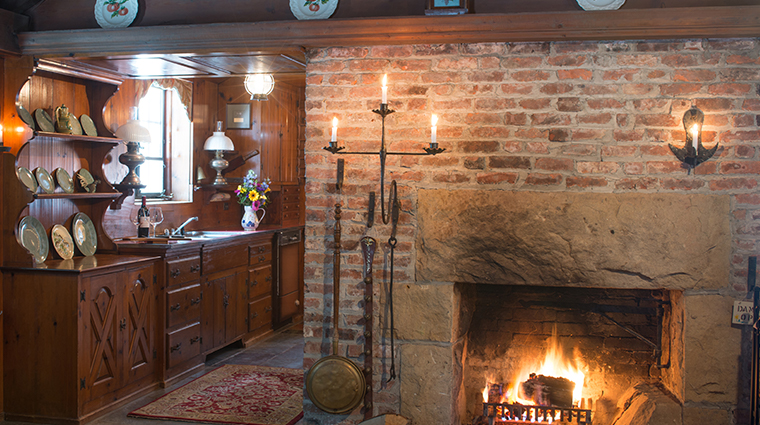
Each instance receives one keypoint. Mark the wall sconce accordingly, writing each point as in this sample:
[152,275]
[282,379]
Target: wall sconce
[219,142]
[133,133]
[693,153]
[259,86]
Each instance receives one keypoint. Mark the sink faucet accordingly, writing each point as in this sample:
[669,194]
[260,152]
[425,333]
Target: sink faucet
[181,229]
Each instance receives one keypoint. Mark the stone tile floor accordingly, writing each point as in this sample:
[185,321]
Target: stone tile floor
[282,349]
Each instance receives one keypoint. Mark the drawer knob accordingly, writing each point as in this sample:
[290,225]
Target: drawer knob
[255,315]
[175,307]
[268,278]
[175,273]
[195,301]
[255,282]
[268,309]
[261,249]
[195,268]
[194,340]
[262,259]
[175,347]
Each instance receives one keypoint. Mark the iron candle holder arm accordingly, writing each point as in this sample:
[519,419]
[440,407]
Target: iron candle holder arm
[384,111]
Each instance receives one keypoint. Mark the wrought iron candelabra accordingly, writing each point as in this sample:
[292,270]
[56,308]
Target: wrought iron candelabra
[333,148]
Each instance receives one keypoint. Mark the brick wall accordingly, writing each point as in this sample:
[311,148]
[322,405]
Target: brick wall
[562,116]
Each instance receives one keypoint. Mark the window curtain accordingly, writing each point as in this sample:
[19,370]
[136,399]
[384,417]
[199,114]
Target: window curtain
[183,88]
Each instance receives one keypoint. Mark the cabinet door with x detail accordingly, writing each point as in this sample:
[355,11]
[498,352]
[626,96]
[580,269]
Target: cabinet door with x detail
[140,311]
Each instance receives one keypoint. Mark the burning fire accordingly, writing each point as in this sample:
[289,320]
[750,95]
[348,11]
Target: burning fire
[554,364]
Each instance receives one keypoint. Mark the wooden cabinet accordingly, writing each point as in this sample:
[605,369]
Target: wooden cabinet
[85,336]
[183,299]
[225,296]
[260,277]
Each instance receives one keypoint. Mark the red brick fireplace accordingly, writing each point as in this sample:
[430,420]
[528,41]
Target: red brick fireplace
[556,174]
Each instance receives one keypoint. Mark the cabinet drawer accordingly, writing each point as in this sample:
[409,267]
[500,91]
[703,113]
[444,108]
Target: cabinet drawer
[183,305]
[259,256]
[223,258]
[259,313]
[183,344]
[260,282]
[182,270]
[291,215]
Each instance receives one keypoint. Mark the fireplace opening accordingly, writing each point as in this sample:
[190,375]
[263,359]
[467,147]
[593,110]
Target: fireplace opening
[564,354]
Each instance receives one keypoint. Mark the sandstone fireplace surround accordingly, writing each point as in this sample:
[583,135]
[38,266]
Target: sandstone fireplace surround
[671,242]
[672,246]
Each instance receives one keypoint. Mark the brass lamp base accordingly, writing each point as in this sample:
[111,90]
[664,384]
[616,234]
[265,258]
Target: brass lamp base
[132,158]
[218,163]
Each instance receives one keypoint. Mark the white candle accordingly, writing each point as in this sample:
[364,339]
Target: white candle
[385,89]
[334,137]
[1,134]
[695,137]
[433,130]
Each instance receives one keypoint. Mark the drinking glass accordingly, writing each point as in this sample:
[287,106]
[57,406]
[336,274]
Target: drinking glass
[156,217]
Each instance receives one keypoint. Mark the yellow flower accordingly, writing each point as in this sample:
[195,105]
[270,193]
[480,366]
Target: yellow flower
[253,196]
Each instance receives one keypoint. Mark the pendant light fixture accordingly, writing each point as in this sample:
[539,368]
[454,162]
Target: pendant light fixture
[259,86]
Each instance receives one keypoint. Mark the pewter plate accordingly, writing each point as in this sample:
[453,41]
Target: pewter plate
[83,231]
[25,116]
[32,236]
[88,125]
[45,180]
[64,180]
[27,178]
[44,122]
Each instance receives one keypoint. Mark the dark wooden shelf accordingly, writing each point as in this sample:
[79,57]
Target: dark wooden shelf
[96,195]
[77,138]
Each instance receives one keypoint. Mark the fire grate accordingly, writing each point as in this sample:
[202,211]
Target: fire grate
[506,413]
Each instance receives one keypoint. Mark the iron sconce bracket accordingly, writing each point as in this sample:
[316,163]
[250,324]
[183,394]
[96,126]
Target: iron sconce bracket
[693,153]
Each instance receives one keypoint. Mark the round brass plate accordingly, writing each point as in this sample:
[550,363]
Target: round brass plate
[335,384]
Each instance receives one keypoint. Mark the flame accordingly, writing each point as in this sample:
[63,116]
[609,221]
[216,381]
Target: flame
[554,364]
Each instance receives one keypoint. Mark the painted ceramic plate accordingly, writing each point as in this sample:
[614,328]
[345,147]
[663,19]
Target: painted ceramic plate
[44,122]
[313,9]
[83,231]
[32,236]
[25,116]
[88,125]
[85,180]
[45,180]
[27,178]
[62,242]
[600,4]
[64,180]
[115,13]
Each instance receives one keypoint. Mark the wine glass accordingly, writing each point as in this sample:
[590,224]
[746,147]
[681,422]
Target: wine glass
[156,217]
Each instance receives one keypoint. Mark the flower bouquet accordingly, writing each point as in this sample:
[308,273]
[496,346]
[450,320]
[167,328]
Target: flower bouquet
[253,195]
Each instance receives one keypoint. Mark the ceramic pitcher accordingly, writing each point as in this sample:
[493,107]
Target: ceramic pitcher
[251,219]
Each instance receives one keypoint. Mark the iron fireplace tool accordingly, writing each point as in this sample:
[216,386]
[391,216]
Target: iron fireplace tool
[368,253]
[334,383]
[392,242]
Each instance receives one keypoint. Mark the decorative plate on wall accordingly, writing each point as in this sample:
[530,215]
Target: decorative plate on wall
[600,4]
[313,9]
[32,236]
[115,13]
[62,242]
[83,231]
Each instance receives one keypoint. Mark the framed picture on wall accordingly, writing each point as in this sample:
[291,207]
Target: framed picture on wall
[448,7]
[239,115]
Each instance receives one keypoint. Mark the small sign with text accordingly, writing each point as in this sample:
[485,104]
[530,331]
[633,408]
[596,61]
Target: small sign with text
[742,313]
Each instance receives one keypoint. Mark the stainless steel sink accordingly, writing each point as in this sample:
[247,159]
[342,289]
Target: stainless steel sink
[212,234]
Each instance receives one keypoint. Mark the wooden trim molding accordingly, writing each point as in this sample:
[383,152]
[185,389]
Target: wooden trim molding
[279,36]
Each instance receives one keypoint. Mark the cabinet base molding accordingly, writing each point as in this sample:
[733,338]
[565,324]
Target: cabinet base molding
[182,375]
[253,337]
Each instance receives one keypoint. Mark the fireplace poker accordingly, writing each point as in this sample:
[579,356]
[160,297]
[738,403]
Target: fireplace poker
[368,253]
[392,242]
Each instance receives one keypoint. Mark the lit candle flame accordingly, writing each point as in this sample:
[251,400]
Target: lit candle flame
[385,80]
[695,137]
[334,137]
[434,120]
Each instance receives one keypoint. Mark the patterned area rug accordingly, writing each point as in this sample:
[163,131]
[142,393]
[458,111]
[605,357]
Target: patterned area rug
[234,394]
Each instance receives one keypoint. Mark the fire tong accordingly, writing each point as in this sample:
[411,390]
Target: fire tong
[368,253]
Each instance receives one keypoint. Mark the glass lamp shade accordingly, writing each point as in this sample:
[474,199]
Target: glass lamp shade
[218,141]
[259,86]
[133,131]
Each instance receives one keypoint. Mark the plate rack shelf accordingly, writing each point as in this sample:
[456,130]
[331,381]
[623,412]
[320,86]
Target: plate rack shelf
[83,95]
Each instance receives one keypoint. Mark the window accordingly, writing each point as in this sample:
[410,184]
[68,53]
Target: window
[167,168]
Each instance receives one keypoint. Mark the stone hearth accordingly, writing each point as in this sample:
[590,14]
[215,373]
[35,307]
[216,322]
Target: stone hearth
[671,242]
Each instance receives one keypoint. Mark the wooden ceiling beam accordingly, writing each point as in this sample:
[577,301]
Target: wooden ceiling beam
[291,37]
